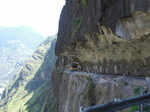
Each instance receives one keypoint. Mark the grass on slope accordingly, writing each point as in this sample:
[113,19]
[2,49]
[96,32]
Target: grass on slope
[18,96]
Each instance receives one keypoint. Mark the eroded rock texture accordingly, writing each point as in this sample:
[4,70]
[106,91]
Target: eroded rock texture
[75,90]
[107,36]
[80,16]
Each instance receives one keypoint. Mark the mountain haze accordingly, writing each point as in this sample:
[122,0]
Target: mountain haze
[16,45]
[26,35]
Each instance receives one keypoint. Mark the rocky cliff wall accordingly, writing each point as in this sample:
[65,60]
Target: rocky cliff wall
[81,16]
[74,90]
[104,37]
[110,37]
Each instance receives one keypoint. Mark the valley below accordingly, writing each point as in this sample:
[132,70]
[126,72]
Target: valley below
[14,52]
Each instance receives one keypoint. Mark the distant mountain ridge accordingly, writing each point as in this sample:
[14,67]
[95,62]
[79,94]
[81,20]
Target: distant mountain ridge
[32,82]
[16,45]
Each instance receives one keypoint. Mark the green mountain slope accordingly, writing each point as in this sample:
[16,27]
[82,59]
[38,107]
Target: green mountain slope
[27,92]
[16,45]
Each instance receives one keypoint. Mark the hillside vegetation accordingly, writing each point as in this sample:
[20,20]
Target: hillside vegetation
[16,45]
[27,92]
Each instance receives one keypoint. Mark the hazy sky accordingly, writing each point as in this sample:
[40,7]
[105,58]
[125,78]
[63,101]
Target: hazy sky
[41,15]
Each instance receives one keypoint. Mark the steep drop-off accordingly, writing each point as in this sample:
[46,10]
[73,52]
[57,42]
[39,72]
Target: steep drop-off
[31,89]
[74,90]
[109,37]
[16,45]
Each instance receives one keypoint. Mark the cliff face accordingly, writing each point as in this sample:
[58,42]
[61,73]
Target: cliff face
[80,16]
[74,90]
[107,36]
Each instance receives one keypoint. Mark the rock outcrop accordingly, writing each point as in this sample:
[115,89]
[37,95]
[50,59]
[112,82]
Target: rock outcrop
[81,16]
[75,90]
[110,37]
[106,37]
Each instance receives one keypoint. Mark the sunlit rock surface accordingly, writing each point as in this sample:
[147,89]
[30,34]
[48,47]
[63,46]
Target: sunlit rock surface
[135,26]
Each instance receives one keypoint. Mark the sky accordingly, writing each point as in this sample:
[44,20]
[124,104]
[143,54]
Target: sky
[41,15]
